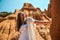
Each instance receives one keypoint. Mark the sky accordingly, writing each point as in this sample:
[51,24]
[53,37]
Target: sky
[11,5]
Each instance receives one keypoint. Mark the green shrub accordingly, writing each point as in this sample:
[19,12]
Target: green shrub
[4,14]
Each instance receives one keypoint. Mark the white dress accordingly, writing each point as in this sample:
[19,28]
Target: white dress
[27,32]
[24,32]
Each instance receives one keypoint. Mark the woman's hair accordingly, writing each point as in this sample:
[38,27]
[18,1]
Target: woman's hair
[19,22]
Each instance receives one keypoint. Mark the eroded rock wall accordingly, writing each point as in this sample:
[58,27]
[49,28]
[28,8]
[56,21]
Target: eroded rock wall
[55,13]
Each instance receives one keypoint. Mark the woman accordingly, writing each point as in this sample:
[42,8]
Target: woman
[23,28]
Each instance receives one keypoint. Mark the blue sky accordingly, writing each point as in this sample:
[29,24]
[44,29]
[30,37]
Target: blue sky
[11,5]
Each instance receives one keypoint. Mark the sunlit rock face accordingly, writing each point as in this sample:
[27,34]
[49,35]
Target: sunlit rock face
[9,26]
[42,28]
[33,12]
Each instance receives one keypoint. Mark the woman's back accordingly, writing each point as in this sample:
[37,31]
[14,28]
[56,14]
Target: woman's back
[24,33]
